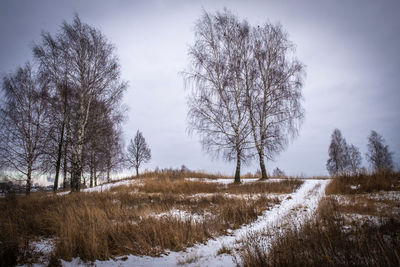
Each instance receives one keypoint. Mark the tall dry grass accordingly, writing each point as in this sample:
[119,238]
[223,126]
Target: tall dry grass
[327,241]
[284,186]
[364,183]
[117,222]
[168,185]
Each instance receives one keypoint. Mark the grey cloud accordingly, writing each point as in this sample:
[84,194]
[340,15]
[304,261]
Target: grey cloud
[350,49]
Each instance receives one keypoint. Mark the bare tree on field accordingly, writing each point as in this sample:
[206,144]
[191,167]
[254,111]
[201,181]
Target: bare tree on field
[55,66]
[217,106]
[338,156]
[81,61]
[247,88]
[273,79]
[23,116]
[378,153]
[138,152]
[354,157]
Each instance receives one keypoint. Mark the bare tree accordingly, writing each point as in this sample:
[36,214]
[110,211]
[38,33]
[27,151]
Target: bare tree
[103,151]
[217,108]
[22,119]
[93,152]
[378,153]
[338,156]
[247,81]
[273,79]
[138,152]
[55,66]
[82,60]
[354,158]
[113,156]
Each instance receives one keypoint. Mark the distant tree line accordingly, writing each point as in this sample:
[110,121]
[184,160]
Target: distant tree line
[245,88]
[63,113]
[346,159]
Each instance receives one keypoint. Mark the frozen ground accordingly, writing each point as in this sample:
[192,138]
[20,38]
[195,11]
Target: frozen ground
[300,205]
[107,186]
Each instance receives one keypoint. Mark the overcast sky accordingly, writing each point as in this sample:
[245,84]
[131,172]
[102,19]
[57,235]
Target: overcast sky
[350,48]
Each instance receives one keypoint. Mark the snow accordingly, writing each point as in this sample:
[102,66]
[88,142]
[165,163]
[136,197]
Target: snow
[107,186]
[197,196]
[354,187]
[385,195]
[355,218]
[300,205]
[44,246]
[379,196]
[182,215]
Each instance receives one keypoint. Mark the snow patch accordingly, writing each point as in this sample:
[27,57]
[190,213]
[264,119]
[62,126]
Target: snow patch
[108,186]
[182,215]
[199,196]
[44,246]
[385,195]
[354,187]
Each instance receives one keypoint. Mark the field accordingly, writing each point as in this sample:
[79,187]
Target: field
[357,223]
[171,220]
[147,216]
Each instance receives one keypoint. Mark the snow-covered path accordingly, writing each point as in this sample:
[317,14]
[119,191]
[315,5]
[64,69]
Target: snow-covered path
[299,204]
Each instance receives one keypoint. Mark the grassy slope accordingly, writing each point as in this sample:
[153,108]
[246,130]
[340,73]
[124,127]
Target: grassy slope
[342,233]
[116,222]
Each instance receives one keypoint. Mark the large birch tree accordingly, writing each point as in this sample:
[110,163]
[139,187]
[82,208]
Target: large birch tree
[217,109]
[246,88]
[273,80]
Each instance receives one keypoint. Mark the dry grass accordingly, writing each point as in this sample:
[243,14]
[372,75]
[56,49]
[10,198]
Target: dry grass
[351,228]
[353,193]
[285,186]
[121,221]
[224,250]
[364,205]
[326,241]
[364,183]
[188,259]
[177,186]
[182,186]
